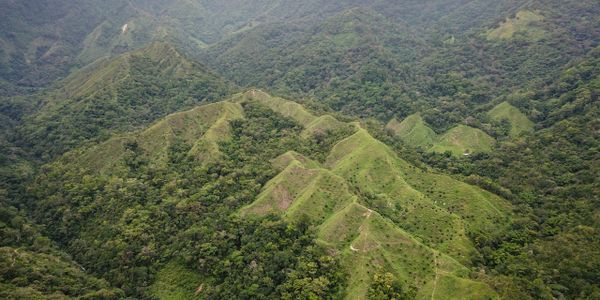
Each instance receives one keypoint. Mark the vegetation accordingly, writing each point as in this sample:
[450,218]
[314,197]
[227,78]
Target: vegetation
[121,94]
[504,112]
[413,131]
[437,149]
[31,266]
[462,140]
[523,23]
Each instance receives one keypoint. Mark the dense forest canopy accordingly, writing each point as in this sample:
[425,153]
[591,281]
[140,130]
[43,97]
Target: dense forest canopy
[278,149]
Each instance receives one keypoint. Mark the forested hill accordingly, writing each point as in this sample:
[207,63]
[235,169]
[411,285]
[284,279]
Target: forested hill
[371,62]
[117,94]
[259,163]
[434,149]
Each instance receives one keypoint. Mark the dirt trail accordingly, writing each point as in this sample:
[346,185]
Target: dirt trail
[360,229]
[16,251]
[436,276]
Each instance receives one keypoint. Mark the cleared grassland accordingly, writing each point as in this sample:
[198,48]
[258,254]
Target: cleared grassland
[381,214]
[518,121]
[523,22]
[462,140]
[375,210]
[413,131]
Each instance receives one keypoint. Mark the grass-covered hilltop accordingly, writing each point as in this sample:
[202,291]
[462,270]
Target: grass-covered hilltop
[315,149]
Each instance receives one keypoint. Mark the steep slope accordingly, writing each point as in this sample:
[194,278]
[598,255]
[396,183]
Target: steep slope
[139,205]
[462,140]
[33,268]
[518,121]
[166,198]
[555,167]
[119,94]
[413,131]
[43,40]
[381,59]
[202,127]
[312,124]
[367,205]
[331,58]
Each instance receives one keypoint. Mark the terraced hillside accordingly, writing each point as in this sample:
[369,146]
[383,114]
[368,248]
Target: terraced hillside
[380,213]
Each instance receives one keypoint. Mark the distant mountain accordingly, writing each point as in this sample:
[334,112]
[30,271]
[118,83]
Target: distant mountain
[375,59]
[343,60]
[44,40]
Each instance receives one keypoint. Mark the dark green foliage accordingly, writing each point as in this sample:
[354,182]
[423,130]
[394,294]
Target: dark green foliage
[551,175]
[31,267]
[125,226]
[368,62]
[378,59]
[385,286]
[122,94]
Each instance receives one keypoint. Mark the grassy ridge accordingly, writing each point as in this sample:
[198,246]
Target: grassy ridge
[413,131]
[518,121]
[203,127]
[523,22]
[459,140]
[375,210]
[119,94]
[312,124]
[463,139]
[382,214]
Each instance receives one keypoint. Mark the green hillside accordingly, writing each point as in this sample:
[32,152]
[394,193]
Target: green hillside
[374,213]
[203,128]
[523,22]
[120,94]
[462,140]
[312,124]
[518,121]
[43,41]
[131,169]
[368,204]
[32,267]
[199,166]
[413,131]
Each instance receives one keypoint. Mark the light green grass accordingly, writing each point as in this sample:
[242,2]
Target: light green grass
[374,170]
[518,121]
[522,22]
[312,124]
[301,190]
[378,212]
[381,214]
[176,282]
[462,140]
[413,131]
[203,127]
